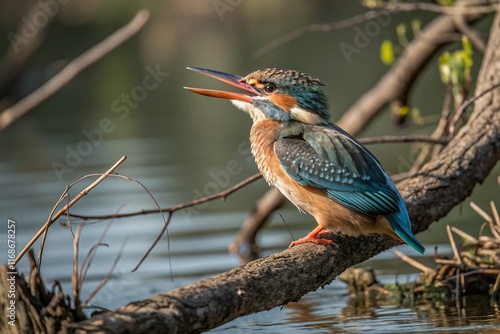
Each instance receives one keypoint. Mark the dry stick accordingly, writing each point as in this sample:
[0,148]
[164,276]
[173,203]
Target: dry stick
[223,194]
[87,261]
[471,33]
[64,195]
[495,213]
[74,68]
[53,218]
[465,105]
[467,237]
[414,263]
[455,10]
[108,276]
[457,259]
[402,139]
[74,277]
[327,27]
[486,217]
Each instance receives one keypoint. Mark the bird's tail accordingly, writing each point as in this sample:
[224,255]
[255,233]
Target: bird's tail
[400,223]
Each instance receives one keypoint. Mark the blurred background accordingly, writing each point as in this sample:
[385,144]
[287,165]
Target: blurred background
[178,144]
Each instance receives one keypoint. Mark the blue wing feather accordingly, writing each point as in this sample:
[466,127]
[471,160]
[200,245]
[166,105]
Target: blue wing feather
[330,159]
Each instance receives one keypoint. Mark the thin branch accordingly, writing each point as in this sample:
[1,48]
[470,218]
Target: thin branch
[318,27]
[457,259]
[63,196]
[412,262]
[223,194]
[89,258]
[108,276]
[53,218]
[471,33]
[487,218]
[460,111]
[74,68]
[74,277]
[430,7]
[402,139]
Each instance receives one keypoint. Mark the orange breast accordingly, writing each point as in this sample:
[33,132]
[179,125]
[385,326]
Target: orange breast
[328,213]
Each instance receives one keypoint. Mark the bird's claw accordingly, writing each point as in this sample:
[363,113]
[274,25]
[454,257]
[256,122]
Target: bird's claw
[314,239]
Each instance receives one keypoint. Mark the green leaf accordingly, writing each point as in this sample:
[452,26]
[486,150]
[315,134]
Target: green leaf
[387,52]
[403,111]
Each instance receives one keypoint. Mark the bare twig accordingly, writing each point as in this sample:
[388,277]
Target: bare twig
[457,259]
[495,214]
[412,262]
[71,70]
[487,218]
[75,285]
[318,27]
[108,276]
[63,196]
[471,33]
[53,218]
[402,139]
[467,237]
[87,261]
[455,10]
[459,112]
[223,195]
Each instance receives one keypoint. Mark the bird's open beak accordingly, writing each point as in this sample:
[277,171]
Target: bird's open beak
[231,79]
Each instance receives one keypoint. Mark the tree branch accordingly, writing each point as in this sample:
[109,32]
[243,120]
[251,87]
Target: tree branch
[11,114]
[286,276]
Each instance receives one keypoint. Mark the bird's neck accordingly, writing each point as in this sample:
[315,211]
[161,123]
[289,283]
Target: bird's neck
[263,135]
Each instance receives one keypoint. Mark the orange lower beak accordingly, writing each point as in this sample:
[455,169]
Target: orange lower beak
[231,79]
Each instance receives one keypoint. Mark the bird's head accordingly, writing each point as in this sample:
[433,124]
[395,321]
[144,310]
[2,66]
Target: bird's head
[273,93]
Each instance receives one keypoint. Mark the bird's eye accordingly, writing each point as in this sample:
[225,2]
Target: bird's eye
[269,88]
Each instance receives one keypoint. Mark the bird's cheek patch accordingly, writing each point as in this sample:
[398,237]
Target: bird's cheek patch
[285,102]
[306,116]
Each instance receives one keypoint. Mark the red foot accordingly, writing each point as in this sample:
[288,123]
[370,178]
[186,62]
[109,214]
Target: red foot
[313,237]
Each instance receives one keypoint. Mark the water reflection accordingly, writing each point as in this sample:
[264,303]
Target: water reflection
[318,312]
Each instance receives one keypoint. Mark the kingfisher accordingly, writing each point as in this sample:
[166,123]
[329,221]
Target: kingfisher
[323,170]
